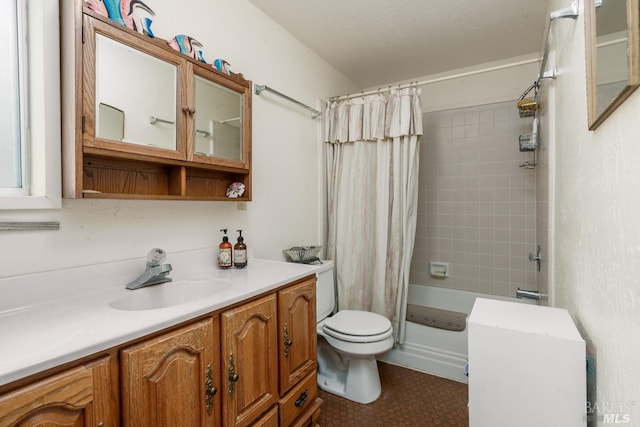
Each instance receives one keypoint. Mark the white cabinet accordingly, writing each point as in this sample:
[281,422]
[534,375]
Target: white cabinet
[526,366]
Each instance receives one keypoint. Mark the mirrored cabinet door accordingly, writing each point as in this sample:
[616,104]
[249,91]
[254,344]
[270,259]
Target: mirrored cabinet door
[142,87]
[133,106]
[218,121]
[219,134]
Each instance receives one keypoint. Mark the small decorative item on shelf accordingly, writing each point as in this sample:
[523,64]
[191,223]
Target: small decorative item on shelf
[187,45]
[235,190]
[133,14]
[303,254]
[222,66]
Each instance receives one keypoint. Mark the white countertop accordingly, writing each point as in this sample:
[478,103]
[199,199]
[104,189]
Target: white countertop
[47,319]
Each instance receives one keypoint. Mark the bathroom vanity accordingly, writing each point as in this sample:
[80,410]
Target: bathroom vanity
[85,351]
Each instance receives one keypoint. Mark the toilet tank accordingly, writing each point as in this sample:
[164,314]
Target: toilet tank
[325,290]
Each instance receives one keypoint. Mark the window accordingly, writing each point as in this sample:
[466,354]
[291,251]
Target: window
[11,124]
[30,102]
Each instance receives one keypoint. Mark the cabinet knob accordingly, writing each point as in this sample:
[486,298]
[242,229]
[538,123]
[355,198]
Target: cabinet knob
[232,375]
[189,110]
[209,389]
[300,401]
[287,342]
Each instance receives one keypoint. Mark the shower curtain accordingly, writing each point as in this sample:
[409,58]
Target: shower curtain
[372,147]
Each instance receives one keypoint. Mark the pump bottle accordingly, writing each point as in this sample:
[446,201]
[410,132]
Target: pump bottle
[225,252]
[240,252]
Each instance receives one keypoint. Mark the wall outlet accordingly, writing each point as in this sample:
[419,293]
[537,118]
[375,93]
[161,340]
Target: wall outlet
[241,206]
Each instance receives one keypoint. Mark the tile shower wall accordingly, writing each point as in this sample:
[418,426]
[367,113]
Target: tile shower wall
[477,207]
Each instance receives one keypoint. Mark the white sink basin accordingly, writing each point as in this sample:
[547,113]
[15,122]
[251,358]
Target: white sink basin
[170,294]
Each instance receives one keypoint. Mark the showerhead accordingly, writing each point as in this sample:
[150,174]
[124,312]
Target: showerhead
[570,11]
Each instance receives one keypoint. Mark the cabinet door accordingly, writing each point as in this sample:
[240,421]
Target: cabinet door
[270,419]
[132,95]
[221,135]
[297,333]
[249,360]
[173,379]
[81,396]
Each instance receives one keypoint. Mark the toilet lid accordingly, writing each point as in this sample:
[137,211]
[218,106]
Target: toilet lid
[357,323]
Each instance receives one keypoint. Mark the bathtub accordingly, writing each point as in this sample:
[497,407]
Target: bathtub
[437,351]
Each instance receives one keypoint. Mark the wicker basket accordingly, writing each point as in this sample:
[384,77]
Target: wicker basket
[303,254]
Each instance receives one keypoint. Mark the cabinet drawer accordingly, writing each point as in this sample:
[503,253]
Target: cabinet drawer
[270,419]
[298,400]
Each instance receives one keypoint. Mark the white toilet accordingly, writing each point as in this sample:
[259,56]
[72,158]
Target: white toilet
[348,342]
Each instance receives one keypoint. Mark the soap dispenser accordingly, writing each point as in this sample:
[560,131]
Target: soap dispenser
[225,251]
[240,252]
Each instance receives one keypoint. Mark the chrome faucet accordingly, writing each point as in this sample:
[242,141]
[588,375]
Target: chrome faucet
[155,272]
[522,293]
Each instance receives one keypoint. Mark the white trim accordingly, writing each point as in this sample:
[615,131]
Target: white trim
[44,127]
[23,95]
[434,361]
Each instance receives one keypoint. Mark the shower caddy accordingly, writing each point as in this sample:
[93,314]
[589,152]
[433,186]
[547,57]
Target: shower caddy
[529,106]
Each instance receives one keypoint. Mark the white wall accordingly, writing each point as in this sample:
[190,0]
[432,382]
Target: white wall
[595,215]
[286,206]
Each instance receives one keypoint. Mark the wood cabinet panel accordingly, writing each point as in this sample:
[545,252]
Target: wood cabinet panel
[299,399]
[297,333]
[270,419]
[250,360]
[172,377]
[81,396]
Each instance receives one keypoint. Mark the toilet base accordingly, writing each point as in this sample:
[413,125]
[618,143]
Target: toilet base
[356,379]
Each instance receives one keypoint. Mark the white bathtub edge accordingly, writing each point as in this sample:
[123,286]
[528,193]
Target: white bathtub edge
[436,351]
[434,361]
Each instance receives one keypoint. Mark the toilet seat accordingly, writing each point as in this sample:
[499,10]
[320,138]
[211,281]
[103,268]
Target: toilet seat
[357,326]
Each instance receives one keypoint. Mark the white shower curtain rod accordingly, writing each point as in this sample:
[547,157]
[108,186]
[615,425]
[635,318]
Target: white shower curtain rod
[436,80]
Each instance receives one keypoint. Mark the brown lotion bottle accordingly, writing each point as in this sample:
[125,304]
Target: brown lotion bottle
[240,252]
[224,253]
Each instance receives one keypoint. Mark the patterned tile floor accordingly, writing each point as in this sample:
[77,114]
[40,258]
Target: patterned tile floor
[409,398]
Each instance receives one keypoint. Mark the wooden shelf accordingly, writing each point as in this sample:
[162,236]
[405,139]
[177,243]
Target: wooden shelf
[132,179]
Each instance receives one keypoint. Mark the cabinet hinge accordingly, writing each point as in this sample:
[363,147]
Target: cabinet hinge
[84,129]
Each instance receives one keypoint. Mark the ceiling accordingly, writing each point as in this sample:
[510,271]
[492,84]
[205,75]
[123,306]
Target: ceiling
[375,42]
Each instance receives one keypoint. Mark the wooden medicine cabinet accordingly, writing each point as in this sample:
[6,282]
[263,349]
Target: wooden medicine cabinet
[147,122]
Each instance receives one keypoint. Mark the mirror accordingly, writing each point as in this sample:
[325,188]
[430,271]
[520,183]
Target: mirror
[613,55]
[218,120]
[110,122]
[138,86]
